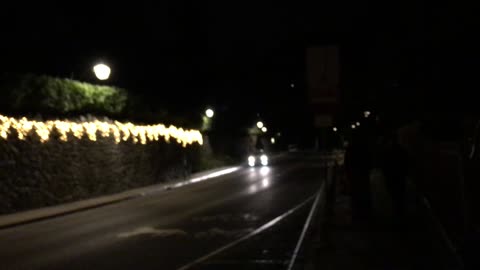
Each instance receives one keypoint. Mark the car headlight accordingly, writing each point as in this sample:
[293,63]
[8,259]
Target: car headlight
[264,160]
[251,161]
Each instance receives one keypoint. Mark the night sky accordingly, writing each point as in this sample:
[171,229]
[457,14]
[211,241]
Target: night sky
[242,57]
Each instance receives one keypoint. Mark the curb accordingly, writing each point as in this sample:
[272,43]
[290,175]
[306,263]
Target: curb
[21,221]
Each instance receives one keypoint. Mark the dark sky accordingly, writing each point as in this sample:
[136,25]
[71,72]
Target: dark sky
[238,56]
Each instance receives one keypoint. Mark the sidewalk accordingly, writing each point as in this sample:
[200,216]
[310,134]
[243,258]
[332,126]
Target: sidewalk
[29,216]
[380,243]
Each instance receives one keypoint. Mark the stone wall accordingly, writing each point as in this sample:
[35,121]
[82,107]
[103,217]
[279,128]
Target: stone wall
[34,174]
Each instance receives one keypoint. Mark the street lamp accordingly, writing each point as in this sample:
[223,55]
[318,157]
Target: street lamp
[102,71]
[358,124]
[353,126]
[209,113]
[335,129]
[264,129]
[366,114]
[272,140]
[260,124]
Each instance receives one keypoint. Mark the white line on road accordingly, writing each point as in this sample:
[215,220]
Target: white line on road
[250,235]
[305,228]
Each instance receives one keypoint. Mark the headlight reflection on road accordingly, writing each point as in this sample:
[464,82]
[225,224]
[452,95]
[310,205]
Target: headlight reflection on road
[260,179]
[252,175]
[264,171]
[260,176]
[265,182]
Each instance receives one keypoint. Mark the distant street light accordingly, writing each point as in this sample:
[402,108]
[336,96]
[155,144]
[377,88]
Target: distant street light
[209,113]
[260,124]
[358,124]
[335,129]
[272,140]
[102,71]
[366,114]
[353,126]
[292,85]
[264,129]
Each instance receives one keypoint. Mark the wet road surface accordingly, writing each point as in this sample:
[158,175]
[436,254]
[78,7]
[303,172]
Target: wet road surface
[172,229]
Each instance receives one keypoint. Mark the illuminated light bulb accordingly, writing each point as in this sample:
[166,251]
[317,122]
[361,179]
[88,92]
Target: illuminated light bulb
[4,127]
[104,128]
[116,133]
[142,135]
[26,127]
[77,130]
[42,130]
[124,129]
[120,131]
[91,130]
[62,128]
[102,71]
[133,132]
[209,113]
[149,131]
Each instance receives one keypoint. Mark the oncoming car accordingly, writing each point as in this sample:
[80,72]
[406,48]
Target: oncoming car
[258,159]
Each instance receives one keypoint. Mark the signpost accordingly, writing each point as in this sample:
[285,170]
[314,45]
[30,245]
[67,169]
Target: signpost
[323,88]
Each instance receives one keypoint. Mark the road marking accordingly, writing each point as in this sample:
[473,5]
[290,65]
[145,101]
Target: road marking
[264,227]
[305,228]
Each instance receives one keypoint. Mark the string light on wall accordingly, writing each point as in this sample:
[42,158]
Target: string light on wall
[91,130]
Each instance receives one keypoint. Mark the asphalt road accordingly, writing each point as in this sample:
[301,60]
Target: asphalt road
[172,229]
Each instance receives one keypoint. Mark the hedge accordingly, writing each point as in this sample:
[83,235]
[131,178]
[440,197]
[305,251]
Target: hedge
[48,95]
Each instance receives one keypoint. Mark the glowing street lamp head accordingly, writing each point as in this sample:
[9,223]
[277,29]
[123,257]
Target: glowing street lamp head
[335,129]
[358,124]
[102,71]
[260,124]
[264,129]
[209,113]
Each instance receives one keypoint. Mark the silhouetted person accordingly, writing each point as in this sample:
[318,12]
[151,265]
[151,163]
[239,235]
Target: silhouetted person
[358,163]
[395,167]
